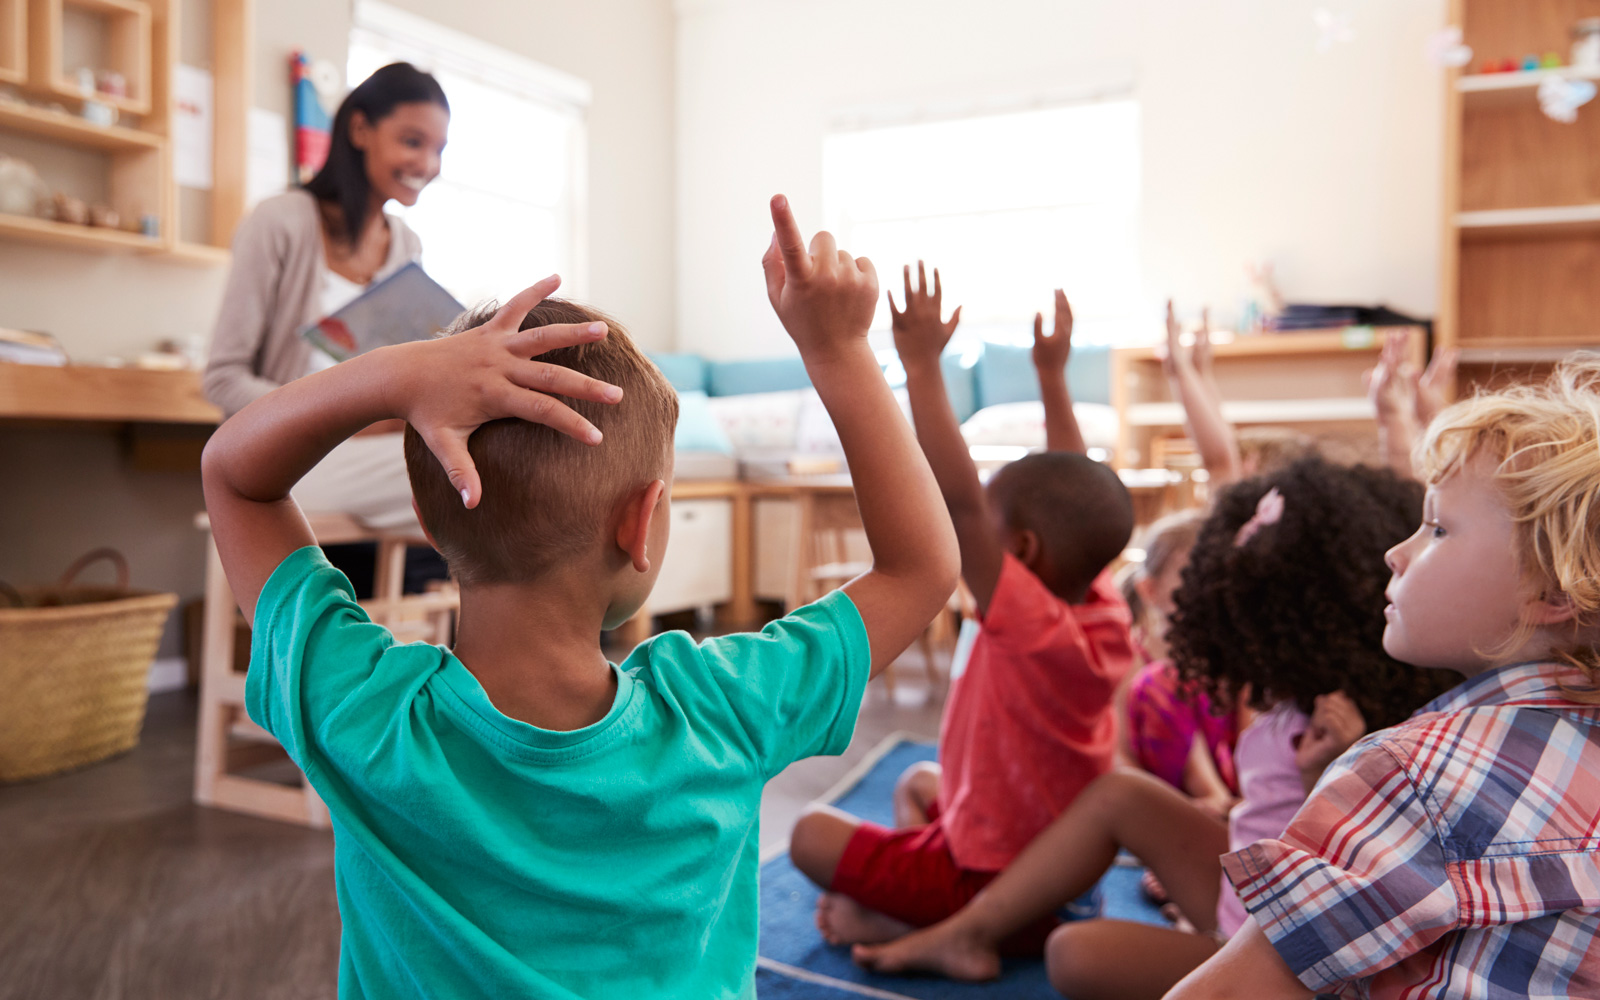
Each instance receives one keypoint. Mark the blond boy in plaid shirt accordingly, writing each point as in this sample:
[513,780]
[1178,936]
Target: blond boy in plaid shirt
[1458,854]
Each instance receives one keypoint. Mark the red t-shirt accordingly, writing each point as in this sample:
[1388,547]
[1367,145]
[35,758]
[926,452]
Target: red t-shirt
[1030,722]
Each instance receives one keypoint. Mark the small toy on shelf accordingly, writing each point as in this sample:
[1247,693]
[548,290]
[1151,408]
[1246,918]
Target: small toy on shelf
[1530,63]
[105,217]
[112,83]
[99,113]
[1586,43]
[70,209]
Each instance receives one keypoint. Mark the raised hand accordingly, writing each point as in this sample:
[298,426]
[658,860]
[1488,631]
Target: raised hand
[1050,353]
[452,386]
[919,333]
[1435,384]
[1202,344]
[824,297]
[1173,358]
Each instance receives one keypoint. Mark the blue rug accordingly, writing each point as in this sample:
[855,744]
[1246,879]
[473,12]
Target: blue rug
[796,963]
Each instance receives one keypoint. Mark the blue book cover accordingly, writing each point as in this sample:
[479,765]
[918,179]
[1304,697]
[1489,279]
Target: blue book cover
[407,305]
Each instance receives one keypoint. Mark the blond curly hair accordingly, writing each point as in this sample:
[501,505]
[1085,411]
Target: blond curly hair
[1545,441]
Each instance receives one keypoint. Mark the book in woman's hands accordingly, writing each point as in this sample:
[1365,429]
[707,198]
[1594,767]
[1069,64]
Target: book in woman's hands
[407,305]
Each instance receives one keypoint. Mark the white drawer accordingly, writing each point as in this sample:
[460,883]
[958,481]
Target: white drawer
[698,568]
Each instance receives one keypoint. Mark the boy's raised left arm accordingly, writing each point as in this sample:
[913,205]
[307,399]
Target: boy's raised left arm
[445,388]
[1050,356]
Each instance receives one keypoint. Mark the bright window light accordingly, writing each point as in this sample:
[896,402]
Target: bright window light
[1008,207]
[508,205]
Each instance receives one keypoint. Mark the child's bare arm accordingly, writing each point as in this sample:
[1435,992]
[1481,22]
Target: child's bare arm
[1050,356]
[1213,435]
[920,337]
[1247,967]
[444,388]
[1392,386]
[826,299]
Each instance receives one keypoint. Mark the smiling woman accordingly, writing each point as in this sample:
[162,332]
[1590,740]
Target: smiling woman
[302,255]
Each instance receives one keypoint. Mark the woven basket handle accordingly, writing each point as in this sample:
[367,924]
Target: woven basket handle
[117,559]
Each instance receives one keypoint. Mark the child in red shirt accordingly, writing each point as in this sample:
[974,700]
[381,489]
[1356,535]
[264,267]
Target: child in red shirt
[1030,722]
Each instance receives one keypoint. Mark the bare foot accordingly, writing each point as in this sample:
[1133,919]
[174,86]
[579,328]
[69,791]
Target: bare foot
[940,950]
[842,920]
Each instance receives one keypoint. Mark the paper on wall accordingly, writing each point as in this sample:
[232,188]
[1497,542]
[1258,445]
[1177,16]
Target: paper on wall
[267,170]
[192,145]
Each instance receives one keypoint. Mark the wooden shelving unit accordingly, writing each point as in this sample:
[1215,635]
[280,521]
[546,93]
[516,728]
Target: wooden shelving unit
[142,40]
[124,27]
[13,41]
[1309,381]
[1520,254]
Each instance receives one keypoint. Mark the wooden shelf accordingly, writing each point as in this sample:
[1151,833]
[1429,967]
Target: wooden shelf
[1521,353]
[1487,90]
[1340,341]
[52,233]
[13,41]
[128,50]
[81,392]
[1529,223]
[1260,411]
[70,128]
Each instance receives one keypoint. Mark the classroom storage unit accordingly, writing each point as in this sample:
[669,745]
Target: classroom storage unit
[49,120]
[1520,249]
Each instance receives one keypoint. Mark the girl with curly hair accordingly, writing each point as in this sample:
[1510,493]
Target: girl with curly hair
[1280,609]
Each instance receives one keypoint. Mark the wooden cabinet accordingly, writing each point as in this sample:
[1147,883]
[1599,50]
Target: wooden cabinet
[1310,382]
[1520,260]
[127,166]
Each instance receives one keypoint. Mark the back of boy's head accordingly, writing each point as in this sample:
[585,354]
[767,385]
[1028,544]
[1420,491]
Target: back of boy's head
[1293,607]
[1543,443]
[1077,507]
[547,498]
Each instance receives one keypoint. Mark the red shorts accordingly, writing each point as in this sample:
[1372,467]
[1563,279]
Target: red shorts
[911,876]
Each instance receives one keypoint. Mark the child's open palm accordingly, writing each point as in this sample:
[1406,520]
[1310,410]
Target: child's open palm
[918,330]
[1050,353]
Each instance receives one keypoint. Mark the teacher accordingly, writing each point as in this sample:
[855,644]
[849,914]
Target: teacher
[303,254]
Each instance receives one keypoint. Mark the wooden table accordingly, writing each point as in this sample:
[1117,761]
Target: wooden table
[104,395]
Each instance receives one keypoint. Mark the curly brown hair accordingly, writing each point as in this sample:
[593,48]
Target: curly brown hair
[1296,611]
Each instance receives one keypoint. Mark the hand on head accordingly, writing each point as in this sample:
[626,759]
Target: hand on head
[487,373]
[824,297]
[1050,353]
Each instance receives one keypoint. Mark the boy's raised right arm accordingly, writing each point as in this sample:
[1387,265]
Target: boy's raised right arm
[826,299]
[920,336]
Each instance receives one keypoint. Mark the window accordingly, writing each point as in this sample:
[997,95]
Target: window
[508,205]
[1009,206]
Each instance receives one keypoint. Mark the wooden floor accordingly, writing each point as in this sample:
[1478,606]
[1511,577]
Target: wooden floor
[115,886]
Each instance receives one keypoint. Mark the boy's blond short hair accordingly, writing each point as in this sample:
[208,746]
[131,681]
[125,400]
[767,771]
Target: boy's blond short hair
[1545,441]
[546,498]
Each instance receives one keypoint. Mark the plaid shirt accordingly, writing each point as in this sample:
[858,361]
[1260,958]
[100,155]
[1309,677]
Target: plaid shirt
[1455,855]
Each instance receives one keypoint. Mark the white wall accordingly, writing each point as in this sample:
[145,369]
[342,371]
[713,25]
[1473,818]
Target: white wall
[1255,146]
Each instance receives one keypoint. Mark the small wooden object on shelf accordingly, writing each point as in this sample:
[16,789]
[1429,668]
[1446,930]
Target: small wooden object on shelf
[1520,247]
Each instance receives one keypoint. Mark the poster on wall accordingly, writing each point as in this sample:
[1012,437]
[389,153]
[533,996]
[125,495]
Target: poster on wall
[192,111]
[315,82]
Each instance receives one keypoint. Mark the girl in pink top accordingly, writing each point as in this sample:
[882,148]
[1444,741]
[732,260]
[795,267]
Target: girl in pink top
[1277,612]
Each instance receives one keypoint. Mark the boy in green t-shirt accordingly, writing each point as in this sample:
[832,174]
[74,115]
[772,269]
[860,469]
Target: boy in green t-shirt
[517,816]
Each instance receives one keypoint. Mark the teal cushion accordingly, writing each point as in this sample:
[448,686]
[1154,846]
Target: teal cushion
[738,378]
[1005,374]
[698,429]
[686,372]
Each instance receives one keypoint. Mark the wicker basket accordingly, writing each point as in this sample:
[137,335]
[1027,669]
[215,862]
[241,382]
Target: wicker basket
[74,668]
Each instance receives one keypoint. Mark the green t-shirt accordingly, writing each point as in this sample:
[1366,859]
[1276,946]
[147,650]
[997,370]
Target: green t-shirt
[479,856]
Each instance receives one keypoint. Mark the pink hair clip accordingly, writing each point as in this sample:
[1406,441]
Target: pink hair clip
[1269,510]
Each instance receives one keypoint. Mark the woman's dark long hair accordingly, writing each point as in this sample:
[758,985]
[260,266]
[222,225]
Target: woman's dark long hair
[342,181]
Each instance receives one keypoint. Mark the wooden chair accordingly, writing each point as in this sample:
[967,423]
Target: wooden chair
[228,741]
[824,522]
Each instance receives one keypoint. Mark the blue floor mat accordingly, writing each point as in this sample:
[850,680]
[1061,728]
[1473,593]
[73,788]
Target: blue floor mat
[797,963]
